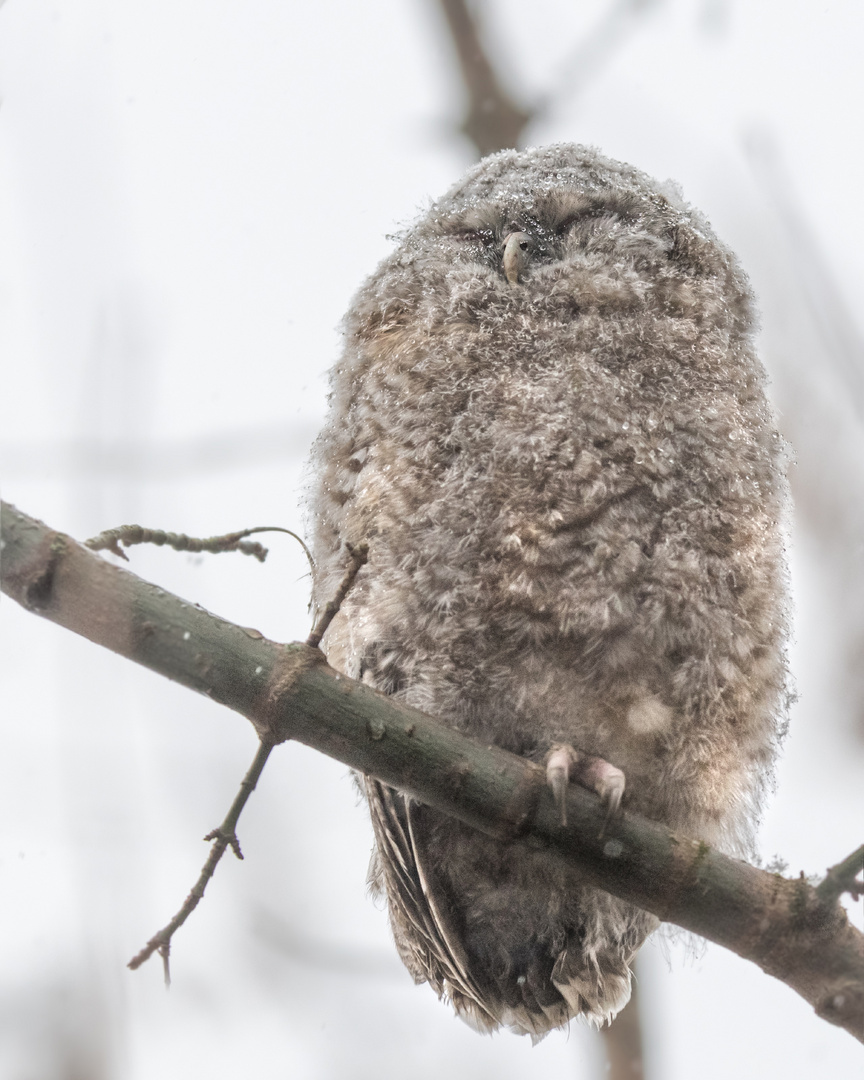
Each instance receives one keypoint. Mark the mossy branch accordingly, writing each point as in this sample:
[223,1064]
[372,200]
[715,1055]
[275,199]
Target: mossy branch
[793,931]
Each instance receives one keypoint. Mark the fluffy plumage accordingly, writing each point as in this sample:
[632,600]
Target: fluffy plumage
[559,450]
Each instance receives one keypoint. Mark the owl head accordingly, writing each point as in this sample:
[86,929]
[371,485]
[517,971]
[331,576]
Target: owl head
[557,231]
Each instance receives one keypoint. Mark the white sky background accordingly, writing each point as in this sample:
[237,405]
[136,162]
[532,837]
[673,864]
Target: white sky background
[190,193]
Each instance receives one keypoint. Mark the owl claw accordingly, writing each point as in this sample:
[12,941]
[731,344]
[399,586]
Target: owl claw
[558,765]
[610,791]
[564,764]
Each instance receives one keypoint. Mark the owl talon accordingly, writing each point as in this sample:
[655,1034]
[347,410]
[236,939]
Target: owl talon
[611,793]
[564,764]
[559,763]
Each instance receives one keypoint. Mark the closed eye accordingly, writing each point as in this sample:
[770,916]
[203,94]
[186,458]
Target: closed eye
[486,237]
[564,226]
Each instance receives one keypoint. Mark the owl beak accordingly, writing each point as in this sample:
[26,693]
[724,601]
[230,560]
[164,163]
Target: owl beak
[517,250]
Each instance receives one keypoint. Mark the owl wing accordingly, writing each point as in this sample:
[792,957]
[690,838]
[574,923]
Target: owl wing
[426,938]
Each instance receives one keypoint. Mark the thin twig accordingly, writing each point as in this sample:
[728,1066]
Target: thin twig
[223,837]
[843,878]
[110,540]
[359,555]
[226,835]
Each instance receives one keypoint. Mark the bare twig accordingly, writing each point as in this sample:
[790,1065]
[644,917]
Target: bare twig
[843,878]
[358,556]
[223,837]
[288,691]
[226,835]
[110,540]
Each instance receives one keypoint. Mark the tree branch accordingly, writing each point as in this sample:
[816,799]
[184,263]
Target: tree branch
[787,927]
[843,878]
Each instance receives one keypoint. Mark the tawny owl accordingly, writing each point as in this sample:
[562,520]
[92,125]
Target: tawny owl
[550,426]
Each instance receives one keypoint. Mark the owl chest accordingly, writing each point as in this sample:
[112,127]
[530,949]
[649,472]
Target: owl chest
[497,463]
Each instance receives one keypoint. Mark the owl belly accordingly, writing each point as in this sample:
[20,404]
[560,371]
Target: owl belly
[536,598]
[541,592]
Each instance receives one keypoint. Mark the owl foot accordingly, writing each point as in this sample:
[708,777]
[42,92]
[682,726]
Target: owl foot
[564,764]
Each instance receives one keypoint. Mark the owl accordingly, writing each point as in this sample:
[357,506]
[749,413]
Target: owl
[549,425]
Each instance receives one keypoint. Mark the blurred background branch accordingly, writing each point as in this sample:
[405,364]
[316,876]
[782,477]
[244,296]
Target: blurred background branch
[817,366]
[493,120]
[157,461]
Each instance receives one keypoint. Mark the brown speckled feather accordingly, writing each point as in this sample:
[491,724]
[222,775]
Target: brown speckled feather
[566,469]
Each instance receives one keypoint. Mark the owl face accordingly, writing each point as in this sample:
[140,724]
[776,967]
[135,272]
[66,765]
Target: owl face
[525,219]
[524,239]
[556,236]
